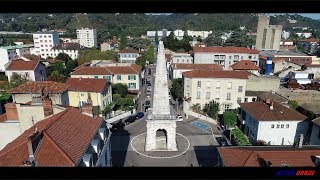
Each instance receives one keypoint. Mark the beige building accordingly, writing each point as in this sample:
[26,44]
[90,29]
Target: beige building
[98,92]
[128,74]
[225,87]
[262,83]
[33,91]
[268,36]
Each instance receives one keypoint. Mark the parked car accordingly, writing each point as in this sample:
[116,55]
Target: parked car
[117,126]
[222,141]
[130,119]
[154,74]
[149,71]
[148,102]
[179,118]
[149,88]
[139,115]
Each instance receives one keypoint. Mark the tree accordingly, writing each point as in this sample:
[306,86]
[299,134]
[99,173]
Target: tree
[3,77]
[293,104]
[240,39]
[63,57]
[229,119]
[93,54]
[176,90]
[123,41]
[57,66]
[120,88]
[156,38]
[57,77]
[212,109]
[17,80]
[213,40]
[107,109]
[138,43]
[196,107]
[70,65]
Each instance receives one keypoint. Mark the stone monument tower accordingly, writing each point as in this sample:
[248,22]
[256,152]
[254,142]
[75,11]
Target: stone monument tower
[161,124]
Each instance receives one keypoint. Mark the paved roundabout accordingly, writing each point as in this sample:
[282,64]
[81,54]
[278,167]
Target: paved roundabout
[138,145]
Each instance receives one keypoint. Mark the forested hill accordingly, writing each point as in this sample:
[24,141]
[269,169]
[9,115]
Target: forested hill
[138,24]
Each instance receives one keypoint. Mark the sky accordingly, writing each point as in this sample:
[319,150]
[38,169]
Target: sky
[312,15]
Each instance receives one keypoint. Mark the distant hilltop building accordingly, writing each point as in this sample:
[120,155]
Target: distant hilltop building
[177,34]
[87,37]
[268,36]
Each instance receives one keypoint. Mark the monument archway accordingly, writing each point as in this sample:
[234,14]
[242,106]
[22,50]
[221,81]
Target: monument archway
[161,139]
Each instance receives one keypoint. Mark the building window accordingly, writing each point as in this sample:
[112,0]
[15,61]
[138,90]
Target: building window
[245,99]
[199,84]
[217,96]
[236,57]
[96,77]
[118,77]
[230,57]
[240,88]
[272,125]
[132,85]
[198,94]
[282,125]
[238,100]
[228,96]
[218,85]
[229,85]
[253,99]
[208,84]
[250,57]
[278,125]
[227,107]
[82,94]
[287,126]
[208,95]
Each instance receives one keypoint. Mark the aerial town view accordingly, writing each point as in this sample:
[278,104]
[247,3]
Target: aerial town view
[159,90]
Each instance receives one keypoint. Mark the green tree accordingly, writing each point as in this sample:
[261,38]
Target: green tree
[3,77]
[293,104]
[141,61]
[123,41]
[120,88]
[212,109]
[229,119]
[57,77]
[116,97]
[16,80]
[239,39]
[63,57]
[93,54]
[138,43]
[70,65]
[176,89]
[213,40]
[57,66]
[196,107]
[108,109]
[156,38]
[240,138]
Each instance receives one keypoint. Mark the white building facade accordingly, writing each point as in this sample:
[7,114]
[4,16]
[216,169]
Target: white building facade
[224,56]
[202,34]
[87,37]
[44,42]
[182,58]
[225,87]
[9,53]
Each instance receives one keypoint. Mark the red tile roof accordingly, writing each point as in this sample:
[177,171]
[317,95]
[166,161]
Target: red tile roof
[261,112]
[21,65]
[3,117]
[196,66]
[220,49]
[295,60]
[109,70]
[132,69]
[37,86]
[244,65]
[259,156]
[87,84]
[129,50]
[64,139]
[216,74]
[91,71]
[310,40]
[168,57]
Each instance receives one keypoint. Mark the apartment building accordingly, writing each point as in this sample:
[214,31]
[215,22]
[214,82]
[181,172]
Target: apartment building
[224,56]
[225,87]
[71,138]
[31,69]
[272,122]
[97,92]
[87,37]
[268,36]
[44,42]
[9,53]
[182,58]
[129,75]
[129,55]
[72,49]
[202,34]
[176,69]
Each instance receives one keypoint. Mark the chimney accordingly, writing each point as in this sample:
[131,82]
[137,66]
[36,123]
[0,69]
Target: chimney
[268,101]
[87,109]
[47,107]
[300,141]
[11,111]
[271,106]
[32,140]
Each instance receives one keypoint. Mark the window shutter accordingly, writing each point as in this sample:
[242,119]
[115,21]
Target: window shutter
[128,77]
[134,77]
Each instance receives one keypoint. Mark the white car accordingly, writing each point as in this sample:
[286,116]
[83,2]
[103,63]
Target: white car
[149,88]
[179,118]
[154,74]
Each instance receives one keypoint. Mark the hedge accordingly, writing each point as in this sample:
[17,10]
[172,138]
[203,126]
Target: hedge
[240,138]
